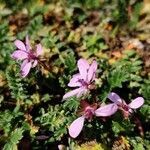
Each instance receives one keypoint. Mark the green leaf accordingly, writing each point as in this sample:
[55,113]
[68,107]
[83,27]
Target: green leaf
[15,83]
[70,62]
[5,120]
[117,77]
[145,110]
[145,90]
[116,127]
[72,104]
[14,139]
[119,126]
[137,143]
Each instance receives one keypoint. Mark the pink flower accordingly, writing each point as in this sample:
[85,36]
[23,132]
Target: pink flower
[126,108]
[25,53]
[88,113]
[83,80]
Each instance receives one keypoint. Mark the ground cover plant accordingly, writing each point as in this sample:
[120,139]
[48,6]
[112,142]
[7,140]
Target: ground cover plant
[74,75]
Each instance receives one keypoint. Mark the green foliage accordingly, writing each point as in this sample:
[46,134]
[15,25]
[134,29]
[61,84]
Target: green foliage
[32,107]
[6,45]
[5,121]
[145,90]
[50,40]
[117,77]
[88,4]
[35,24]
[139,144]
[128,69]
[15,83]
[70,62]
[120,127]
[94,44]
[122,11]
[145,111]
[135,15]
[55,119]
[72,104]
[14,139]
[7,118]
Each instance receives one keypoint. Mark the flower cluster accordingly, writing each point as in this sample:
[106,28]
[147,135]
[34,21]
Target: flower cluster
[83,80]
[88,113]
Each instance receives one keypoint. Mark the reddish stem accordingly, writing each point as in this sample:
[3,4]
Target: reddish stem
[139,125]
[44,65]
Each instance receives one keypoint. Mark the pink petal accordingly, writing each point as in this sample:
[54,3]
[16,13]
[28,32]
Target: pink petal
[74,81]
[34,63]
[83,91]
[24,63]
[106,110]
[19,55]
[83,66]
[25,70]
[76,127]
[39,49]
[115,98]
[20,45]
[28,47]
[92,71]
[130,110]
[71,93]
[136,103]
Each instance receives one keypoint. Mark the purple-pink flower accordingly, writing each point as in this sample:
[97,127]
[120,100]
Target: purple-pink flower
[25,53]
[83,80]
[89,112]
[122,105]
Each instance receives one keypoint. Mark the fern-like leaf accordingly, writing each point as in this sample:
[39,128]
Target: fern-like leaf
[14,139]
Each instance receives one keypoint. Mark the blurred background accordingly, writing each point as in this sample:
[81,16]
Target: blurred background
[79,24]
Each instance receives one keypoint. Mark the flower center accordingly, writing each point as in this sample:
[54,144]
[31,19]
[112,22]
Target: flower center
[89,112]
[31,56]
[125,107]
[84,83]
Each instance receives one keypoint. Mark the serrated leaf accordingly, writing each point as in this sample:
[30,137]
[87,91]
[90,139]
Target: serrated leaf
[14,139]
[117,77]
[70,62]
